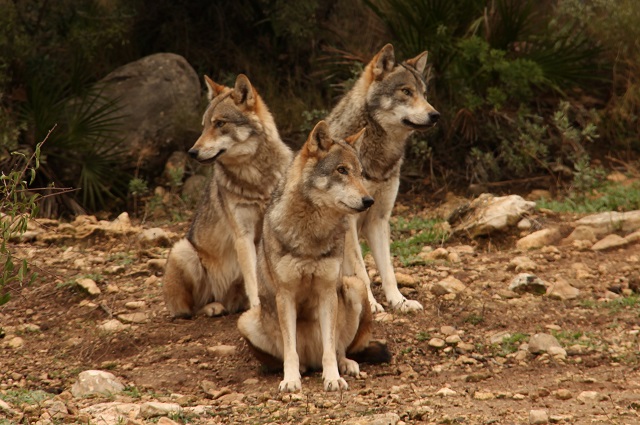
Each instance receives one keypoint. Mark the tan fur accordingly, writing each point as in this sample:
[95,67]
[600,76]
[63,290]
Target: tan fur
[213,268]
[308,311]
[389,100]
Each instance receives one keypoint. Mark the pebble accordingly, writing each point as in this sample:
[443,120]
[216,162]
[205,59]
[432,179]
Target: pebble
[89,285]
[453,339]
[15,342]
[542,342]
[92,382]
[406,280]
[446,392]
[589,397]
[139,317]
[113,325]
[448,285]
[538,417]
[539,239]
[152,409]
[479,395]
[609,242]
[563,394]
[135,305]
[437,342]
[522,264]
[222,350]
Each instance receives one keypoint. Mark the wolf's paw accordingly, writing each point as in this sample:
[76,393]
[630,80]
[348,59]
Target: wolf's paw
[406,305]
[376,307]
[290,386]
[335,385]
[349,367]
[213,309]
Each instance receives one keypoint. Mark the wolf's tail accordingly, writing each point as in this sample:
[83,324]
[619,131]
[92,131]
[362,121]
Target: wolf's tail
[374,353]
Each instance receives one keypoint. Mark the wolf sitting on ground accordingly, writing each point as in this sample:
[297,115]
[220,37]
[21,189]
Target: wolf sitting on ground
[206,270]
[390,100]
[309,314]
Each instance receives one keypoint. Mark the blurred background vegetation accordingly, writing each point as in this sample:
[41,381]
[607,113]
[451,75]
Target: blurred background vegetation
[527,89]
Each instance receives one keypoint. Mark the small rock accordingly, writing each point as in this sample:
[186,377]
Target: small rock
[478,377]
[58,410]
[557,352]
[539,239]
[563,394]
[582,233]
[380,419]
[152,409]
[452,339]
[222,350]
[479,395]
[609,242]
[562,290]
[113,325]
[96,382]
[89,285]
[231,398]
[5,407]
[154,237]
[522,264]
[446,392]
[525,282]
[537,417]
[436,254]
[448,330]
[611,221]
[15,342]
[498,337]
[589,397]
[448,285]
[135,305]
[524,224]
[436,343]
[166,421]
[139,317]
[405,280]
[541,342]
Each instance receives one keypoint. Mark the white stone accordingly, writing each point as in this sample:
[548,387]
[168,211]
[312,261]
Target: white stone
[542,342]
[96,382]
[538,417]
[437,342]
[589,397]
[135,305]
[446,392]
[611,221]
[522,264]
[113,325]
[490,214]
[380,419]
[139,317]
[152,409]
[562,290]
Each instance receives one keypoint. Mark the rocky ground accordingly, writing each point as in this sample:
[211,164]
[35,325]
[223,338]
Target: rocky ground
[540,329]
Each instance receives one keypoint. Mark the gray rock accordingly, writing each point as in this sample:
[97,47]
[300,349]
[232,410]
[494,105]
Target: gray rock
[525,282]
[609,242]
[92,382]
[159,95]
[541,343]
[437,343]
[488,214]
[539,239]
[586,397]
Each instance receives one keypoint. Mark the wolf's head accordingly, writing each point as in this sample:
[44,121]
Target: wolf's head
[332,173]
[233,123]
[397,94]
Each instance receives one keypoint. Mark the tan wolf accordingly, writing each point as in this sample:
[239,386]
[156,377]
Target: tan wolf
[390,100]
[206,270]
[309,315]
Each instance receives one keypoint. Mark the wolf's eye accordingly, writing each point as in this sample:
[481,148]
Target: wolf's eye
[218,123]
[343,170]
[407,92]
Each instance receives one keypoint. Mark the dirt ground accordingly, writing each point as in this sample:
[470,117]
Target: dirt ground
[491,383]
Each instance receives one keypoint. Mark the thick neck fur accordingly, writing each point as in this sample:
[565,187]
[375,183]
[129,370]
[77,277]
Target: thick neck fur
[255,177]
[304,228]
[382,149]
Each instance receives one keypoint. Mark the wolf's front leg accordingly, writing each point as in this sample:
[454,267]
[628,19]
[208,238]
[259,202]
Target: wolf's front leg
[354,263]
[246,251]
[328,309]
[287,316]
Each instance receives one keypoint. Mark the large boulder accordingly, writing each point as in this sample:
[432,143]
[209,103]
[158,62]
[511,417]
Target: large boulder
[159,96]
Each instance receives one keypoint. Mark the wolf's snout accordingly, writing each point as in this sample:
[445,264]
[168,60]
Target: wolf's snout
[193,153]
[367,201]
[434,116]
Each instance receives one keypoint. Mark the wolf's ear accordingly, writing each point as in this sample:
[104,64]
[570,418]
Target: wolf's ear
[355,140]
[319,139]
[213,89]
[243,92]
[383,62]
[419,62]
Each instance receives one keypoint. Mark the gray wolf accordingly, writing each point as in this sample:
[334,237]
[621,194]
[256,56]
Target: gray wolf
[390,100]
[214,267]
[309,314]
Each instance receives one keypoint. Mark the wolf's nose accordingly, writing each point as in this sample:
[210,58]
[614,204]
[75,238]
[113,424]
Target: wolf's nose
[434,116]
[367,201]
[193,153]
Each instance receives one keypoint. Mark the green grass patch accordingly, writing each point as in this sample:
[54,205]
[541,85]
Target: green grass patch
[474,319]
[409,236]
[623,303]
[607,197]
[18,397]
[423,336]
[510,344]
